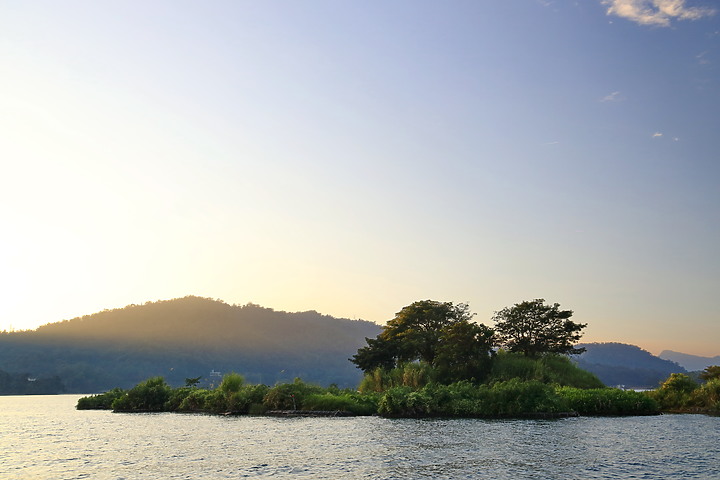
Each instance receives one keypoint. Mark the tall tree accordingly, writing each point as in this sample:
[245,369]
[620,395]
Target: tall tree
[535,328]
[465,351]
[440,334]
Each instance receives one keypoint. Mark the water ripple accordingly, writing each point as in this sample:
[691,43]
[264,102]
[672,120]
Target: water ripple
[45,438]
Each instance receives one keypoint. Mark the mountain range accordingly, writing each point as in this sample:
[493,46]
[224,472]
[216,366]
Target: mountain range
[193,337]
[186,338]
[690,362]
[627,365]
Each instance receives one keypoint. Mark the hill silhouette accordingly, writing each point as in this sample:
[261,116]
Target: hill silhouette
[623,364]
[692,363]
[188,337]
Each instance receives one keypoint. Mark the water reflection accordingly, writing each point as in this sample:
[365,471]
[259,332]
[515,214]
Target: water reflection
[44,437]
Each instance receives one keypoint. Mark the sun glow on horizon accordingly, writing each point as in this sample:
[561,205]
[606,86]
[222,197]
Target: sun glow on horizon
[339,160]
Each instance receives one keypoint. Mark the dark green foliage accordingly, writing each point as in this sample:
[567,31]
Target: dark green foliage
[194,401]
[464,352]
[290,396]
[534,328]
[439,334]
[608,401]
[347,401]
[675,392]
[413,375]
[148,396]
[514,398]
[680,393]
[552,369]
[710,373]
[192,382]
[707,396]
[176,397]
[101,401]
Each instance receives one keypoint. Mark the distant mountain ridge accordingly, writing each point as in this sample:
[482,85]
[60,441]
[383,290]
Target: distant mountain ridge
[692,363]
[194,336]
[188,337]
[628,365]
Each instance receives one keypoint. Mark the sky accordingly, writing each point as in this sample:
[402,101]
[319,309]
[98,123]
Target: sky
[355,157]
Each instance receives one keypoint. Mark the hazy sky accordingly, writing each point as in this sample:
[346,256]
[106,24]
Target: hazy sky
[354,157]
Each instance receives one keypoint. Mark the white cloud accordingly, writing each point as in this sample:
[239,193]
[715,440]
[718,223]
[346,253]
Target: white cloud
[657,134]
[613,97]
[655,12]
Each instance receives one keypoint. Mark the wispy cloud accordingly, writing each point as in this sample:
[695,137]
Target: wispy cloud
[657,135]
[701,58]
[655,12]
[612,97]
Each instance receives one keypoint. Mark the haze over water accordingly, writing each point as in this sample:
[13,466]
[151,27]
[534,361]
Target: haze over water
[44,437]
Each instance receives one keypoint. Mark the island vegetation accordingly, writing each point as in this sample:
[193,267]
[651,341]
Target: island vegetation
[194,336]
[432,360]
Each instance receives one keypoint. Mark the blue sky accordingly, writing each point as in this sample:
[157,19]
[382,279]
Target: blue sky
[352,158]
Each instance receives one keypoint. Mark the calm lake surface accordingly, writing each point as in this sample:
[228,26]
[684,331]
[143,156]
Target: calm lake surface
[44,437]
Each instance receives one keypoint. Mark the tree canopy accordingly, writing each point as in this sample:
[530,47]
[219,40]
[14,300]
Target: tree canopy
[535,328]
[440,334]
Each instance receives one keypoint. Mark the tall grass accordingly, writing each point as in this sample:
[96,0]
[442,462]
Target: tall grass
[551,369]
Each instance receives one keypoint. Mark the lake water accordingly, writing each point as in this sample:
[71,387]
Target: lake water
[44,437]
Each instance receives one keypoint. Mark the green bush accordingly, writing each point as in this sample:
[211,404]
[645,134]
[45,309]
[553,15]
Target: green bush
[195,401]
[414,375]
[177,396]
[676,392]
[289,396]
[514,398]
[231,383]
[330,402]
[147,396]
[707,396]
[519,398]
[551,369]
[102,401]
[608,401]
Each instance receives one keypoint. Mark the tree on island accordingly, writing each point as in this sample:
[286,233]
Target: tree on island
[440,334]
[534,328]
[710,373]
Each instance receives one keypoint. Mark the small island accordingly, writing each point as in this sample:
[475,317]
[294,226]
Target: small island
[432,360]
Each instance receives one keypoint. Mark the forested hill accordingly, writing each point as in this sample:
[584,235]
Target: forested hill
[623,364]
[188,337]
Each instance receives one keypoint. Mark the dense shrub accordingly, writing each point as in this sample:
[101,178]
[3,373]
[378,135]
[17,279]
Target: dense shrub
[608,401]
[552,369]
[514,398]
[675,393]
[289,396]
[707,396]
[147,396]
[342,401]
[101,401]
[176,397]
[195,401]
[414,375]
